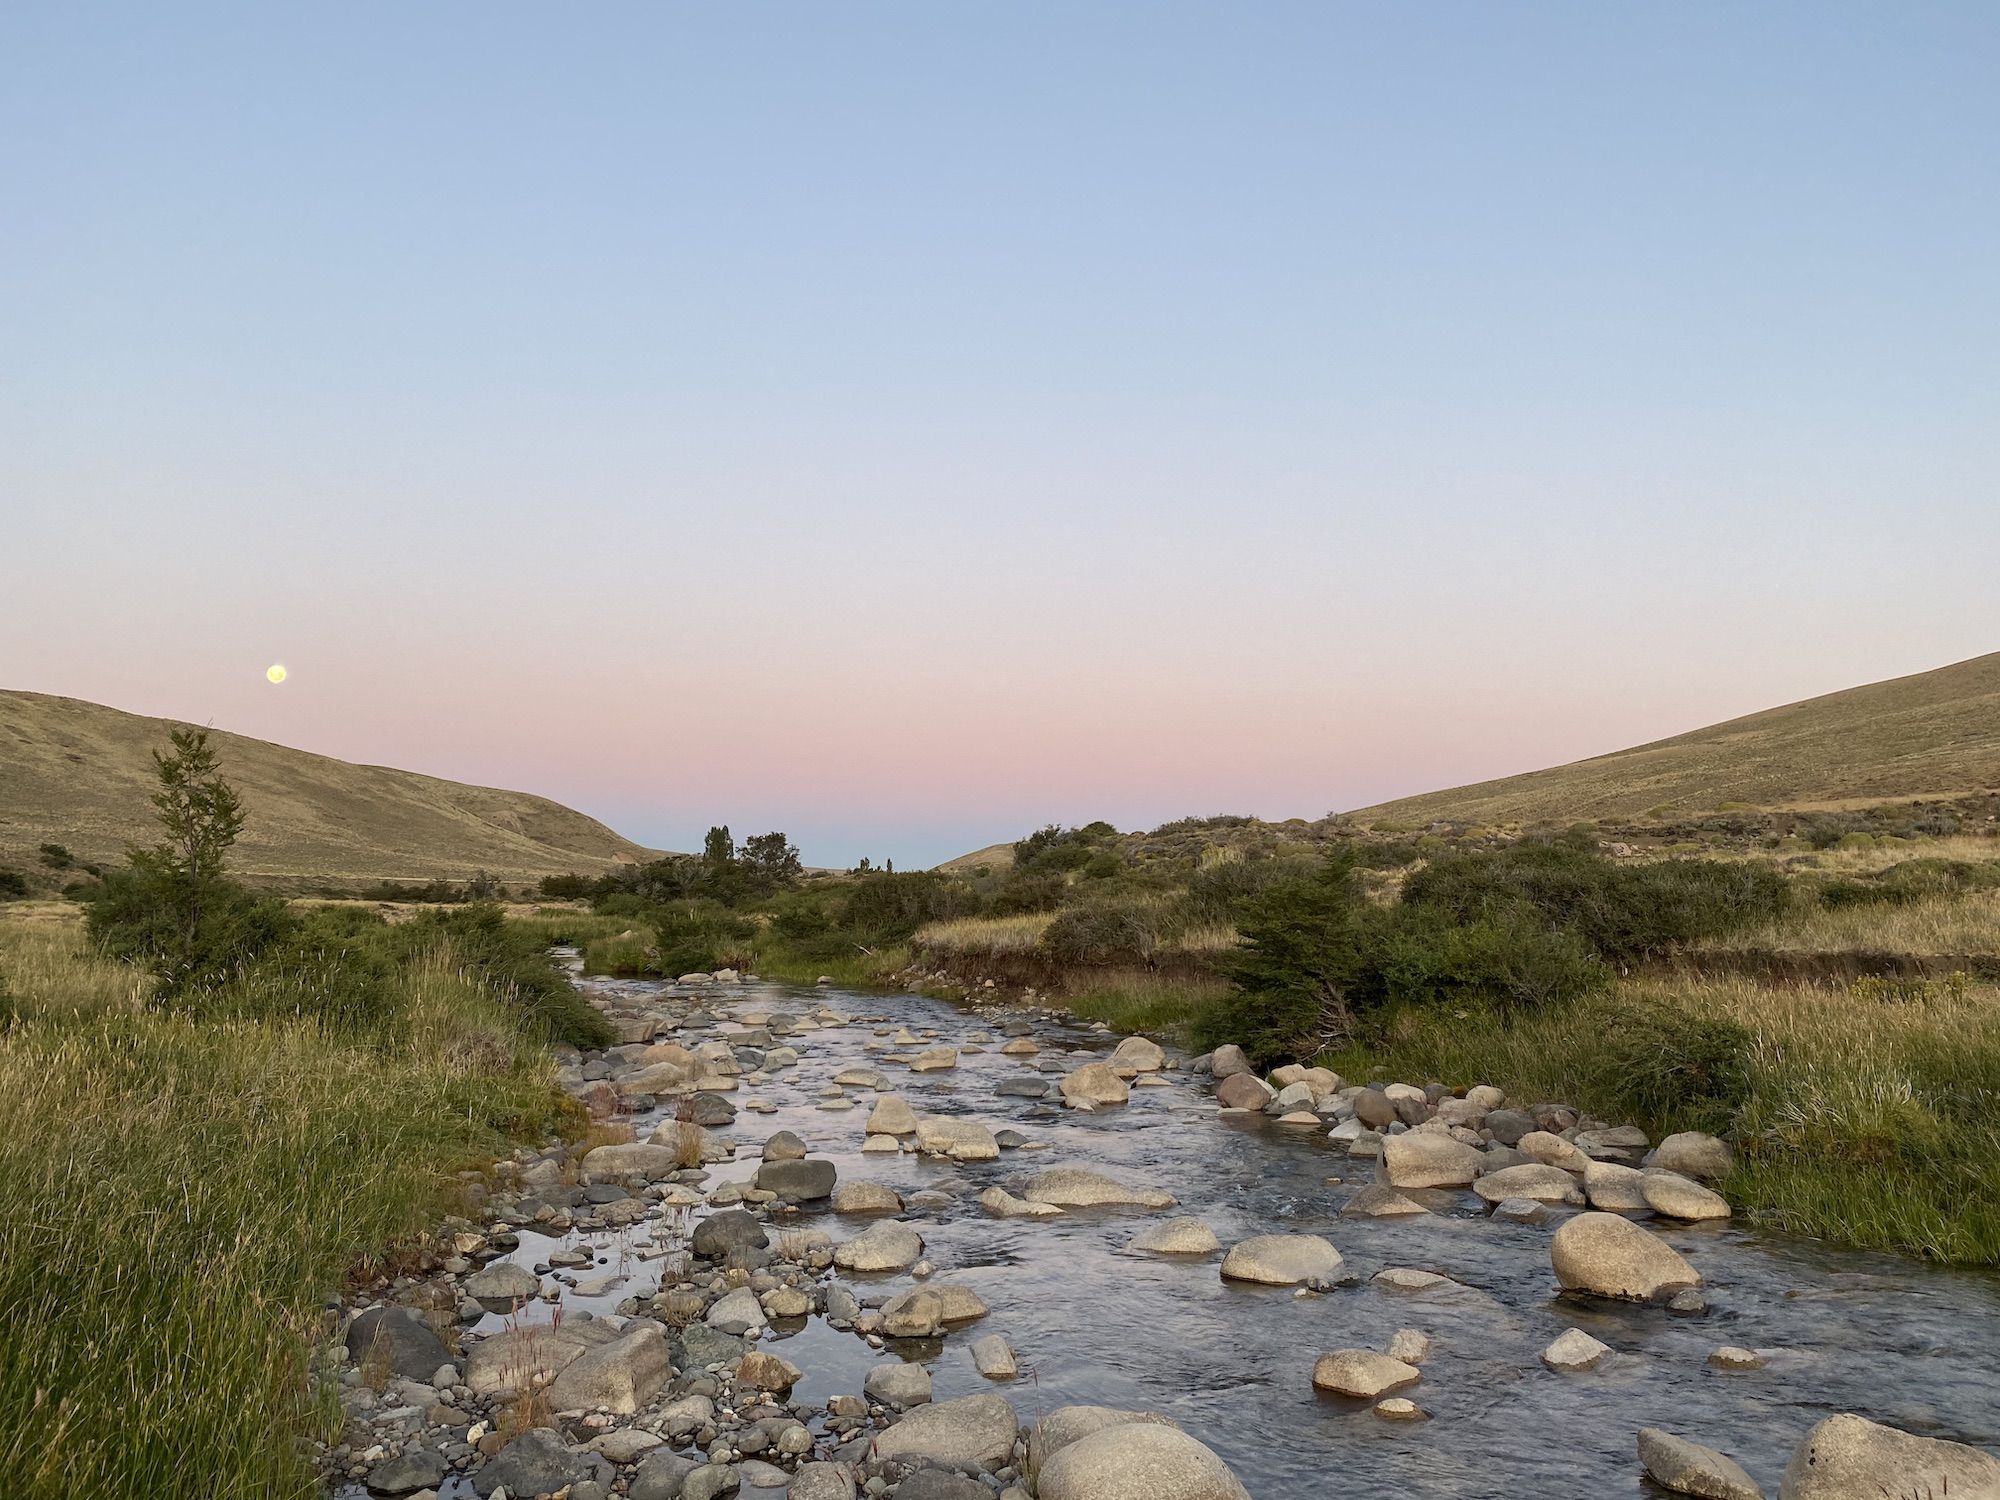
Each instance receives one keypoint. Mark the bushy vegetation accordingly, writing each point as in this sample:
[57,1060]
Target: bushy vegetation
[1537,924]
[225,1109]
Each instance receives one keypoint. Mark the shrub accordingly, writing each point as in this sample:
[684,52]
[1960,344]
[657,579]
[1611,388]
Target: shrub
[1667,1064]
[884,907]
[1508,964]
[1100,933]
[13,885]
[514,965]
[1304,967]
[56,857]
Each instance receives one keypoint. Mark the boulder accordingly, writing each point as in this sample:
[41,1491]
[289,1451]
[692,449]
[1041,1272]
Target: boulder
[899,1386]
[1073,1187]
[883,1246]
[1187,1236]
[635,1161]
[892,1115]
[1694,1153]
[914,1314]
[1068,1424]
[784,1146]
[1243,1091]
[866,1198]
[398,1339]
[1282,1260]
[1137,1054]
[1378,1202]
[538,1462]
[1227,1061]
[1362,1373]
[1004,1205]
[736,1311]
[960,1140]
[1679,1197]
[725,1234]
[763,1371]
[934,1060]
[616,1377]
[502,1286]
[1543,1184]
[1850,1458]
[661,1476]
[798,1181]
[1689,1469]
[411,1470]
[1425,1159]
[1607,1256]
[1508,1126]
[1541,1146]
[1137,1459]
[822,1481]
[1094,1084]
[1613,1188]
[994,1357]
[1574,1352]
[971,1430]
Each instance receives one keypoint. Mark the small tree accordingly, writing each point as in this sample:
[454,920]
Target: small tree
[174,906]
[773,860]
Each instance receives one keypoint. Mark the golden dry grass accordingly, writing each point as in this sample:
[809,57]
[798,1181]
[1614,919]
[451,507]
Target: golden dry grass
[1948,926]
[81,775]
[1931,734]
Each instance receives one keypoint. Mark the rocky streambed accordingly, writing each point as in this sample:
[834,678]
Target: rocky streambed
[947,1254]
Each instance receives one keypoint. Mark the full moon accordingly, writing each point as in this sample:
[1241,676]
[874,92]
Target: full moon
[275,672]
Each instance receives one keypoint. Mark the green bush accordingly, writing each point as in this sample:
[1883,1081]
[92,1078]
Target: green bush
[13,885]
[1304,970]
[1662,1063]
[1623,913]
[1507,963]
[192,939]
[884,908]
[515,967]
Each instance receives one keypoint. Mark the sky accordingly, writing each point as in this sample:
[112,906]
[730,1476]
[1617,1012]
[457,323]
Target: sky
[909,424]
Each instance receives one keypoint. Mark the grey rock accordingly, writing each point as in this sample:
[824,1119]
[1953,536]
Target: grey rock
[720,1235]
[1689,1469]
[538,1462]
[399,1338]
[661,1476]
[973,1429]
[411,1470]
[1850,1458]
[797,1181]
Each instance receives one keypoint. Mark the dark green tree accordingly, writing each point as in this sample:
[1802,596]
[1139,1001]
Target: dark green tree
[174,906]
[772,860]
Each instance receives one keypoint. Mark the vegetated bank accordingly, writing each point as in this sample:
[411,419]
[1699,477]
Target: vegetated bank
[219,1111]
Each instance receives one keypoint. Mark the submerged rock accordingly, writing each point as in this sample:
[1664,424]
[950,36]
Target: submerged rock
[1073,1187]
[1188,1236]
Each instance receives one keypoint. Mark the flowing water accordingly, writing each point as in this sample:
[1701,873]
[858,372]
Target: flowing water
[1887,1337]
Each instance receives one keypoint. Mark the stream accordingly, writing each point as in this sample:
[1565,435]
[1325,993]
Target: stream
[1890,1338]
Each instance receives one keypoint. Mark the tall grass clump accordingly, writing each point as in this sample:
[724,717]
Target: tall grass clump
[179,1197]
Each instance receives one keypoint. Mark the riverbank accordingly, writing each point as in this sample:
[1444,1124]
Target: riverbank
[179,1200]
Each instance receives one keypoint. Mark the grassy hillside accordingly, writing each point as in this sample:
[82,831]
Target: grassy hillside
[81,775]
[1935,734]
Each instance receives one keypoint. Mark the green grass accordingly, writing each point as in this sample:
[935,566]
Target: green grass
[784,962]
[1871,1117]
[1139,1001]
[178,1199]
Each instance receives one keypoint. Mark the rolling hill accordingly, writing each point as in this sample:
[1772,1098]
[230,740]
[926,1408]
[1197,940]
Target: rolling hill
[1933,734]
[81,775]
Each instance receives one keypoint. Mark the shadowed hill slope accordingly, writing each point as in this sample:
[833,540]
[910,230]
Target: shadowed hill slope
[81,775]
[1933,734]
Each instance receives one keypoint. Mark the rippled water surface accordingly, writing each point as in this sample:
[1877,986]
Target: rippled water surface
[1886,1337]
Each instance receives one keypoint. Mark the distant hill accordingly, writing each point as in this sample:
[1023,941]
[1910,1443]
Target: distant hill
[993,856]
[81,775]
[1934,734]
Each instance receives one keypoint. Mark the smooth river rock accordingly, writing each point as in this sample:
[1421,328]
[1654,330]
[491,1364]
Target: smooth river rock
[1094,1084]
[1608,1256]
[1073,1187]
[1282,1260]
[1534,1180]
[883,1246]
[1689,1469]
[1187,1236]
[1428,1160]
[971,1430]
[1137,1461]
[1362,1373]
[1678,1197]
[1850,1458]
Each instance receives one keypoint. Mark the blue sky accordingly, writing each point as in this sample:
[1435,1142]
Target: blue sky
[910,424]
